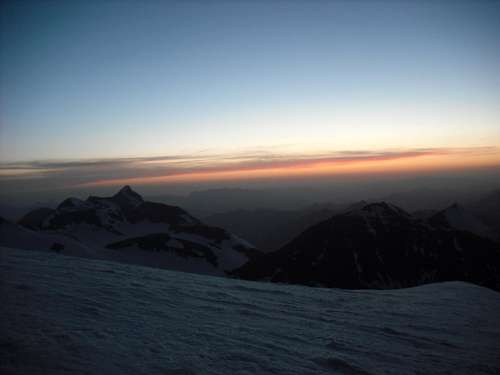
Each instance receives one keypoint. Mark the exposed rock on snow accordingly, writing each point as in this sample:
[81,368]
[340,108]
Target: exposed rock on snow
[123,226]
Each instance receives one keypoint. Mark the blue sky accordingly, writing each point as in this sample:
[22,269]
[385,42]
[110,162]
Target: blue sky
[96,80]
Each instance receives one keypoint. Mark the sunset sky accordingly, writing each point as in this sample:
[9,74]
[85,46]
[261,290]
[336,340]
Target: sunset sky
[107,93]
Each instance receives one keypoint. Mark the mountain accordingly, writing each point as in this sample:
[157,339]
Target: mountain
[68,315]
[127,228]
[267,229]
[457,217]
[379,246]
[33,218]
[426,198]
[270,229]
[212,201]
[16,236]
[487,209]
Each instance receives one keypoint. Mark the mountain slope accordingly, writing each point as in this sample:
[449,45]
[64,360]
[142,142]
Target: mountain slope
[488,210]
[13,235]
[126,228]
[379,246]
[121,319]
[456,217]
[270,229]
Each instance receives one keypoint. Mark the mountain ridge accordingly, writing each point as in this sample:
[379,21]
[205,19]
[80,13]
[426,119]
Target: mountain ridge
[125,227]
[379,246]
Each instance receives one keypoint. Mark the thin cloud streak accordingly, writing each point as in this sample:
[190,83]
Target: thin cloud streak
[156,169]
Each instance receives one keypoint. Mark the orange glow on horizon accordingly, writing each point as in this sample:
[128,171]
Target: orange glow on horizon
[432,161]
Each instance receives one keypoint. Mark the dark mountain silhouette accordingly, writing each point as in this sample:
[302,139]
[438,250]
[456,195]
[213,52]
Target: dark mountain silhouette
[487,208]
[459,218]
[33,219]
[269,229]
[379,246]
[211,201]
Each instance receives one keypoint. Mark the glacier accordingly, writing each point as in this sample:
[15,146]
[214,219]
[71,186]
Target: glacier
[63,314]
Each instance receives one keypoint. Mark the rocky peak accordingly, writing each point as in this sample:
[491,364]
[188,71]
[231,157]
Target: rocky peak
[126,190]
[127,198]
[71,203]
[381,209]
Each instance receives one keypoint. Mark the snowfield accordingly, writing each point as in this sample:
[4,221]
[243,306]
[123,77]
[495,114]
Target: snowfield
[62,314]
[128,229]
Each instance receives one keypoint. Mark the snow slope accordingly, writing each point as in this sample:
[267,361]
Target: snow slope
[13,235]
[64,314]
[126,228]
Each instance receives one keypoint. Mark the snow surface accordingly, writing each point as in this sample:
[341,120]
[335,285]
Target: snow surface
[64,314]
[90,241]
[13,235]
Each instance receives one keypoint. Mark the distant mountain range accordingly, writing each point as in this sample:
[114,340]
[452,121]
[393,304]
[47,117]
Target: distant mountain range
[207,202]
[126,228]
[271,229]
[362,245]
[382,246]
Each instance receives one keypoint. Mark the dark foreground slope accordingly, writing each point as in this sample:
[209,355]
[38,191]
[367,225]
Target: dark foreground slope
[380,246]
[65,315]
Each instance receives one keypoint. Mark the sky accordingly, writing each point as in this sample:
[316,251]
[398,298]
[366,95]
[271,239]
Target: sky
[99,93]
